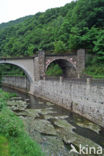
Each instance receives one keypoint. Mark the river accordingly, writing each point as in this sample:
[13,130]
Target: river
[56,129]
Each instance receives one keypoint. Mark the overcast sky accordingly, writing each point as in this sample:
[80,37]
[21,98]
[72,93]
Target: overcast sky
[13,9]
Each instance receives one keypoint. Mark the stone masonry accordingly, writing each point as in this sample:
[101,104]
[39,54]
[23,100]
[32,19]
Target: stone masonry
[35,67]
[82,96]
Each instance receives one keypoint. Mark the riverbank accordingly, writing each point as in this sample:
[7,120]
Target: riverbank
[53,127]
[14,138]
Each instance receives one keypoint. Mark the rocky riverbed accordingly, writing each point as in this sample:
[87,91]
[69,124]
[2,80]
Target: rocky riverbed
[55,129]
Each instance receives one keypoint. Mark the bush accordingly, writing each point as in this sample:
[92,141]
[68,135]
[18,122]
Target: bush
[6,95]
[95,70]
[3,97]
[10,125]
[2,104]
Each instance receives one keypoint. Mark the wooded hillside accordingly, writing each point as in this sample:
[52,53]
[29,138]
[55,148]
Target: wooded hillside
[76,25]
[79,24]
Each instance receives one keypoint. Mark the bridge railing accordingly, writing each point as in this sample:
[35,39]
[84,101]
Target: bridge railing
[87,80]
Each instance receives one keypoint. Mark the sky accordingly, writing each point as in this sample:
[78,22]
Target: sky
[13,9]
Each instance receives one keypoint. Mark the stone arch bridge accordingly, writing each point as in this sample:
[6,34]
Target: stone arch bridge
[35,67]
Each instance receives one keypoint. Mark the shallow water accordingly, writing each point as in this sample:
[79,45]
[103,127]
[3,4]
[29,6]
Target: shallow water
[56,128]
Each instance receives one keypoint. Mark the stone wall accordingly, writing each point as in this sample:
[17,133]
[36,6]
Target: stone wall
[84,97]
[16,82]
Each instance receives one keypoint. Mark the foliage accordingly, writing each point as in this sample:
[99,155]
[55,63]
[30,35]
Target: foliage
[59,47]
[99,45]
[11,70]
[75,39]
[70,27]
[94,68]
[9,124]
[24,146]
[26,36]
[54,70]
[3,97]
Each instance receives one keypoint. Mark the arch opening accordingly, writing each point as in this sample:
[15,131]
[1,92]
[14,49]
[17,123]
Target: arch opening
[20,67]
[15,70]
[68,69]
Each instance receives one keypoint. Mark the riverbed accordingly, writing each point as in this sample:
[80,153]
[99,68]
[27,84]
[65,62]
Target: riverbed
[57,130]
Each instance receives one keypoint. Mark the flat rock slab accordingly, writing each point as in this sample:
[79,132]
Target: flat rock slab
[36,136]
[64,124]
[89,125]
[47,111]
[49,104]
[47,116]
[16,98]
[17,105]
[22,113]
[54,146]
[44,126]
[33,113]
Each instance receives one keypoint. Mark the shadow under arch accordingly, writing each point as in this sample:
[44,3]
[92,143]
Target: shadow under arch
[22,68]
[69,69]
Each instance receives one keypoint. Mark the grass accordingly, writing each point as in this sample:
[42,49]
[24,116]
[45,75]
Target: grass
[24,146]
[4,147]
[14,140]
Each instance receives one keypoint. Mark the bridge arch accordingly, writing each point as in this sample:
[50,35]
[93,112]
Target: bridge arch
[21,67]
[68,66]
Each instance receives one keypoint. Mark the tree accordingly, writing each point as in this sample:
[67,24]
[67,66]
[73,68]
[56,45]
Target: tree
[30,49]
[99,45]
[59,47]
[74,38]
[88,13]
